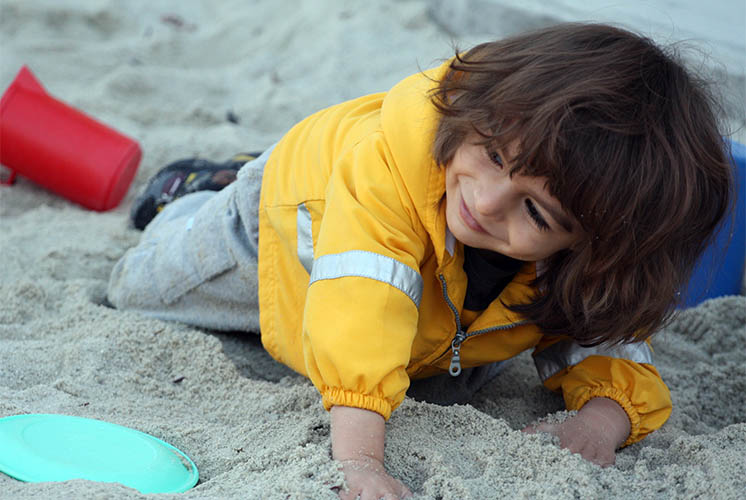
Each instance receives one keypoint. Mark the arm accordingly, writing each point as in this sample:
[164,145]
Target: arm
[604,383]
[361,311]
[361,307]
[599,428]
[357,443]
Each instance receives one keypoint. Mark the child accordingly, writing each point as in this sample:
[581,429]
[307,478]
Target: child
[550,191]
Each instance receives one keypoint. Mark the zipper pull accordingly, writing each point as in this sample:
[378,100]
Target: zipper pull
[455,368]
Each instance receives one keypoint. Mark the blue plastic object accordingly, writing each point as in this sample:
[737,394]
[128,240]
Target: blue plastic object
[720,269]
[39,447]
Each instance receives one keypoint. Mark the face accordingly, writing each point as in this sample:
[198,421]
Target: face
[517,217]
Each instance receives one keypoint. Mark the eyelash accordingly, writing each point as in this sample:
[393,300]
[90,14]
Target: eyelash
[495,158]
[536,216]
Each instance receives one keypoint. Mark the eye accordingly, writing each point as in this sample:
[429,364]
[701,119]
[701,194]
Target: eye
[536,216]
[495,158]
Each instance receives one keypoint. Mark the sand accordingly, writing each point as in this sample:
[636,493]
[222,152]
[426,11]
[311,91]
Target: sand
[169,73]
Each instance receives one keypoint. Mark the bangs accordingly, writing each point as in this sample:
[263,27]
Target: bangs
[578,177]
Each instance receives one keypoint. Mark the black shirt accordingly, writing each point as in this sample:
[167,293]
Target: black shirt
[487,273]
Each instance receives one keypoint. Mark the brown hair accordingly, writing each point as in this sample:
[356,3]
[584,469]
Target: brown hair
[629,143]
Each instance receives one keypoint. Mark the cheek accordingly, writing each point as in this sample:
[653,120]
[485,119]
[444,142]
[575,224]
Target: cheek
[522,241]
[551,245]
[450,181]
[538,246]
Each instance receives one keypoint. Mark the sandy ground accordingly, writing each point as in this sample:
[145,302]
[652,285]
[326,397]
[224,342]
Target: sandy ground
[169,73]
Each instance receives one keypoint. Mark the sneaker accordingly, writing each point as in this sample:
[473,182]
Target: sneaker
[183,177]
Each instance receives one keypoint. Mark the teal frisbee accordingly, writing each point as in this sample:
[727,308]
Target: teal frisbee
[40,447]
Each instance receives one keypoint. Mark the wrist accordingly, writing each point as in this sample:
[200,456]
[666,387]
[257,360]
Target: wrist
[609,417]
[362,463]
[357,435]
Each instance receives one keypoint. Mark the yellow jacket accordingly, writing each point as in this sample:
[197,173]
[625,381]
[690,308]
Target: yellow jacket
[361,285]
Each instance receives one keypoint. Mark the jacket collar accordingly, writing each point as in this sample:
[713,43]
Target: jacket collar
[409,122]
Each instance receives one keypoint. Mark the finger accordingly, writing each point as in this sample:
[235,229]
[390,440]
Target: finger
[607,460]
[580,448]
[550,428]
[543,427]
[598,457]
[400,488]
[598,460]
[370,495]
[348,494]
[380,496]
[529,429]
[587,453]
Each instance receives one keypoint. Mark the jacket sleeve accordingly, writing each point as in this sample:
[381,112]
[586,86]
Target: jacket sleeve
[361,308]
[624,373]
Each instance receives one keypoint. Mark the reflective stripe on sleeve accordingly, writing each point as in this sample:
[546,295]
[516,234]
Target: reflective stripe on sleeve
[369,265]
[304,237]
[567,353]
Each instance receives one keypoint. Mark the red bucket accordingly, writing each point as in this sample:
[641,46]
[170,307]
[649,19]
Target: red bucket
[62,149]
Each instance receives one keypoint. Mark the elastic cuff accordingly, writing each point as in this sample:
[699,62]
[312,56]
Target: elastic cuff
[621,398]
[340,397]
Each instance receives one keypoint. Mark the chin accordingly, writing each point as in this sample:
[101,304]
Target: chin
[465,236]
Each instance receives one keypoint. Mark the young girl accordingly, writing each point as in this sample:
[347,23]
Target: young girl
[550,191]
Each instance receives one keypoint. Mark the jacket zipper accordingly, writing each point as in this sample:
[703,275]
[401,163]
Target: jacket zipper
[455,367]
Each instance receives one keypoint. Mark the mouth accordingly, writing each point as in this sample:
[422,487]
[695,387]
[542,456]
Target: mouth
[468,219]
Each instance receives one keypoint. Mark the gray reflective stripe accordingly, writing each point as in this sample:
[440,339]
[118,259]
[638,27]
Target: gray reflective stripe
[450,241]
[567,353]
[369,265]
[305,237]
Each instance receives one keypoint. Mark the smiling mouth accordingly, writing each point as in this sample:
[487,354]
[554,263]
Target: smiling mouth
[468,219]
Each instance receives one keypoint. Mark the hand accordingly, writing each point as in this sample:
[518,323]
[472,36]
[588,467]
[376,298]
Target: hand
[357,443]
[599,428]
[368,480]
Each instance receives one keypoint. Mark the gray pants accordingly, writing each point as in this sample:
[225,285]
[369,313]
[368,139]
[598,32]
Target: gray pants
[196,263]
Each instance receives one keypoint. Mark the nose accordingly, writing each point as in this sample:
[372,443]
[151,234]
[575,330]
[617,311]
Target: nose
[491,200]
